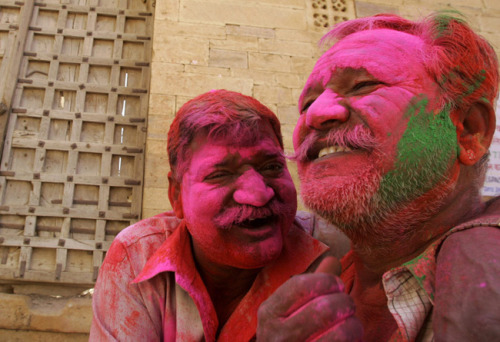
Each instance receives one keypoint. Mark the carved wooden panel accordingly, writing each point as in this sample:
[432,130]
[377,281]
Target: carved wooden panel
[72,166]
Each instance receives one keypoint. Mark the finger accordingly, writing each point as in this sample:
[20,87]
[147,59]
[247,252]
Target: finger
[320,315]
[330,265]
[299,290]
[350,330]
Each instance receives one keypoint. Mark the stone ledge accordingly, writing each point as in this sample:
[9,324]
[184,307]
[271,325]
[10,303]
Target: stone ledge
[40,336]
[45,313]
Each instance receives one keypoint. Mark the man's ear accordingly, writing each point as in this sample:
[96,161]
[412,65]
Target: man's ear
[175,195]
[475,131]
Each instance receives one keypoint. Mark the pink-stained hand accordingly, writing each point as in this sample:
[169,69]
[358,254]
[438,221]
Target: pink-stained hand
[310,307]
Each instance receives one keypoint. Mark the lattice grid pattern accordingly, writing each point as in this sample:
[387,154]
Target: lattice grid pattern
[326,13]
[72,166]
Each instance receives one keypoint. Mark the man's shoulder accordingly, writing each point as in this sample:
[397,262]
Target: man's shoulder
[156,227]
[137,243]
[467,285]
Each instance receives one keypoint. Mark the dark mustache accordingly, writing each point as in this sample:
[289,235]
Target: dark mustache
[238,214]
[359,137]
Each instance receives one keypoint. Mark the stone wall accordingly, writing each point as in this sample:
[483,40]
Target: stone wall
[261,48]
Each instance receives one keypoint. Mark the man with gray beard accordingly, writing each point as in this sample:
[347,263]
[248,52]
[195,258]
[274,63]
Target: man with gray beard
[392,143]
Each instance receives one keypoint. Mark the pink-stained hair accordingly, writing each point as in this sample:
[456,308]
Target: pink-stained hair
[463,63]
[221,114]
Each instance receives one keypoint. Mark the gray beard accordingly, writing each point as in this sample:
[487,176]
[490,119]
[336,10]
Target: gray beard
[374,217]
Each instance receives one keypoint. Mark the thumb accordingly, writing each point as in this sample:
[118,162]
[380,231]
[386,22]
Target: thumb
[329,264]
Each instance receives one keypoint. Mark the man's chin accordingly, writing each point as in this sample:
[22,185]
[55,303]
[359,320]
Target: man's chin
[345,201]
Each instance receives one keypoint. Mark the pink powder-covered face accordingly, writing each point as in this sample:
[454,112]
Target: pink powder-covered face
[238,201]
[361,89]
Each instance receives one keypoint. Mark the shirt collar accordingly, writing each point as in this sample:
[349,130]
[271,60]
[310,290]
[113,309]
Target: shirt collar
[300,250]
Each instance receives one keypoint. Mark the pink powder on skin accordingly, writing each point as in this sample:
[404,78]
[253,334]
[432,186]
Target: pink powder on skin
[369,79]
[223,182]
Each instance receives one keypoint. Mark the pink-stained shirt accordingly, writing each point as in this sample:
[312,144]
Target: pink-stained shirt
[411,288]
[148,287]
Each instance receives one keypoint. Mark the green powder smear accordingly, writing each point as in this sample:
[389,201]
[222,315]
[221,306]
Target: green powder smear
[424,154]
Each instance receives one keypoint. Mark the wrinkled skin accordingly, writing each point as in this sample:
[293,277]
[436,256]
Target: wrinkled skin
[389,179]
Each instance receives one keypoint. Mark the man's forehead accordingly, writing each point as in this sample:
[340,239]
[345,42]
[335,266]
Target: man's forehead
[254,142]
[379,52]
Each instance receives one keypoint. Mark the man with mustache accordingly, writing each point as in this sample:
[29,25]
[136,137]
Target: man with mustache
[201,275]
[392,143]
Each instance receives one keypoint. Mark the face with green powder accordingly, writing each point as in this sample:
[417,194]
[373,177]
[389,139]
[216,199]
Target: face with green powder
[371,137]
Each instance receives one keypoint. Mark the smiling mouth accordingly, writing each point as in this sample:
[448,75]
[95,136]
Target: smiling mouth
[257,222]
[332,150]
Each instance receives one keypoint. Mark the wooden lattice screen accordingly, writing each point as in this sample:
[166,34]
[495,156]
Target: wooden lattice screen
[72,166]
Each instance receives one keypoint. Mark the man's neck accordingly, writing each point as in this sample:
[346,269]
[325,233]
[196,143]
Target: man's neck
[225,285]
[379,255]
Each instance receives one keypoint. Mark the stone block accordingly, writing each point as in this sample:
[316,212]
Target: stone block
[40,336]
[302,65]
[299,35]
[14,311]
[270,62]
[167,10]
[398,3]
[146,212]
[287,3]
[165,28]
[237,43]
[288,114]
[204,70]
[452,3]
[257,76]
[228,58]
[160,104]
[160,72]
[246,13]
[287,132]
[296,95]
[288,48]
[490,24]
[273,95]
[183,50]
[365,9]
[191,85]
[250,31]
[494,40]
[158,126]
[155,198]
[155,172]
[156,147]
[492,4]
[289,80]
[61,315]
[48,290]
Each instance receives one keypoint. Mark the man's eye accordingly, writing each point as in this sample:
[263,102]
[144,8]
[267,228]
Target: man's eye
[305,106]
[216,175]
[366,85]
[273,167]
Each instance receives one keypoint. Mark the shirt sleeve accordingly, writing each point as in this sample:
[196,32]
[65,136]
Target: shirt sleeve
[467,296]
[122,309]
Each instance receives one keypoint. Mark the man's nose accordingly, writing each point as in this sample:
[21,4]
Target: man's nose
[326,111]
[252,190]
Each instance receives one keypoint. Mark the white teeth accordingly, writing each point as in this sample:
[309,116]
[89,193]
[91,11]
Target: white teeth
[332,149]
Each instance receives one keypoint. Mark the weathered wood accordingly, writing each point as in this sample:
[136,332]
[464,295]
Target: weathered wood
[72,171]
[11,59]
